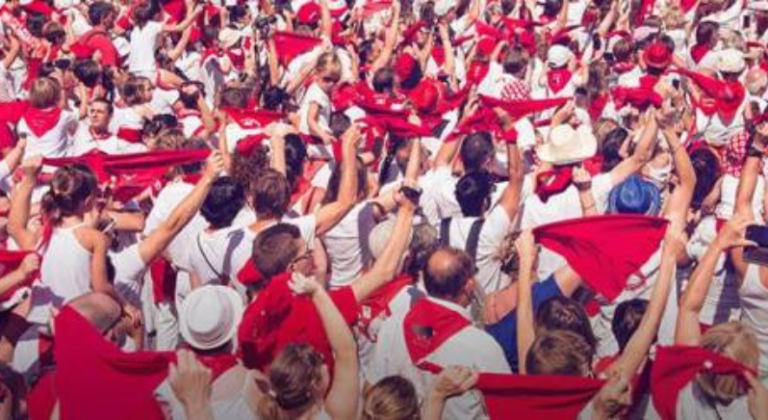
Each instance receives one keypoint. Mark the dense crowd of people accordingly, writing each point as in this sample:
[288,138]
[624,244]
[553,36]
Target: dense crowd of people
[383,209]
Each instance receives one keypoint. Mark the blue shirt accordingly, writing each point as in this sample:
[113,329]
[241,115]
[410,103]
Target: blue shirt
[505,331]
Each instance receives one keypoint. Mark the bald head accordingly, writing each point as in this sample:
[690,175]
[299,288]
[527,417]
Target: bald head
[756,81]
[101,310]
[447,272]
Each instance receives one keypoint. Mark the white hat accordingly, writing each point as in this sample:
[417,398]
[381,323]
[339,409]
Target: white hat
[442,7]
[558,56]
[566,145]
[730,61]
[228,37]
[209,316]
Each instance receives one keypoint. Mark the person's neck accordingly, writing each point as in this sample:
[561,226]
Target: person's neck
[69,221]
[262,223]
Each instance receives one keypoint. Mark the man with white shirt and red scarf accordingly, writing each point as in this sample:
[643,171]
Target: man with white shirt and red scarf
[93,134]
[438,332]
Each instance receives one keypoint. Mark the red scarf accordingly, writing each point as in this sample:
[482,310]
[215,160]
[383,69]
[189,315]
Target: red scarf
[698,52]
[597,106]
[605,250]
[637,97]
[290,45]
[9,261]
[377,304]
[676,366]
[523,108]
[131,135]
[536,397]
[248,145]
[372,7]
[558,79]
[252,119]
[41,121]
[94,377]
[153,163]
[553,182]
[646,7]
[163,278]
[249,274]
[426,327]
[277,318]
[728,96]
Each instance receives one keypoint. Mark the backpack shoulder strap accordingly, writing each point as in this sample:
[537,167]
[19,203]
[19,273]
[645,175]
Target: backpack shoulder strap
[474,238]
[445,232]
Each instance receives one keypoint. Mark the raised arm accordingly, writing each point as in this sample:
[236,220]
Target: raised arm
[193,11]
[510,199]
[13,51]
[746,191]
[18,216]
[637,348]
[154,244]
[526,333]
[29,265]
[331,214]
[341,401]
[326,24]
[641,154]
[390,40]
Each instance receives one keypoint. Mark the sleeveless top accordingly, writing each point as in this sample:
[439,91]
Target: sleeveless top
[65,273]
[754,310]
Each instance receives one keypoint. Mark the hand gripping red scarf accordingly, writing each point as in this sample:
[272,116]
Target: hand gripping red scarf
[676,366]
[536,397]
[521,109]
[605,250]
[426,327]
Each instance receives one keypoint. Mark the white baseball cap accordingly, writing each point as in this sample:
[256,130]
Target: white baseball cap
[558,55]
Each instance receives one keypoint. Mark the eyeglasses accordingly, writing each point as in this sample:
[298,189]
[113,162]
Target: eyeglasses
[306,255]
[330,79]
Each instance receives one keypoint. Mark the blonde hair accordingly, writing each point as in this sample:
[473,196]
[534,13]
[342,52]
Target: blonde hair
[45,92]
[738,342]
[392,398]
[328,62]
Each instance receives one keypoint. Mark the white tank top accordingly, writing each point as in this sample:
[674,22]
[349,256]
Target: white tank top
[754,310]
[65,273]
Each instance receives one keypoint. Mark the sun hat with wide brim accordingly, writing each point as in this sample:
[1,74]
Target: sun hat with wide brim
[567,145]
[209,316]
[635,196]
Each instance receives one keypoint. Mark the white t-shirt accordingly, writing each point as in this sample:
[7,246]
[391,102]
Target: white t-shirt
[167,200]
[471,347]
[754,304]
[141,61]
[489,246]
[347,244]
[163,100]
[319,97]
[55,142]
[129,273]
[83,142]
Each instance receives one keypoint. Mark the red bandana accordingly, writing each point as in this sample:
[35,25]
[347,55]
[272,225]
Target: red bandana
[553,182]
[532,397]
[698,52]
[290,45]
[41,121]
[558,79]
[605,250]
[250,119]
[676,366]
[426,327]
[378,304]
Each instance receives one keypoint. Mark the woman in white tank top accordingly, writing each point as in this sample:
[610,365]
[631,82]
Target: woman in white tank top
[73,252]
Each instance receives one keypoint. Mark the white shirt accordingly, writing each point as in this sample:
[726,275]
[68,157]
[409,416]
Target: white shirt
[347,244]
[167,200]
[55,142]
[490,246]
[754,304]
[692,404]
[317,96]
[83,142]
[471,347]
[141,61]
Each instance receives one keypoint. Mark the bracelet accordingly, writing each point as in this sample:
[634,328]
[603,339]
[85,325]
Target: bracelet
[754,151]
[583,186]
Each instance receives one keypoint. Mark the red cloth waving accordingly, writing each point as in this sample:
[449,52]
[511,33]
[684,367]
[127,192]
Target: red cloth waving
[521,109]
[155,162]
[605,250]
[290,45]
[676,366]
[96,380]
[532,397]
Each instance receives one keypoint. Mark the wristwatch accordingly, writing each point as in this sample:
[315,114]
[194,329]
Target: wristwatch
[583,186]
